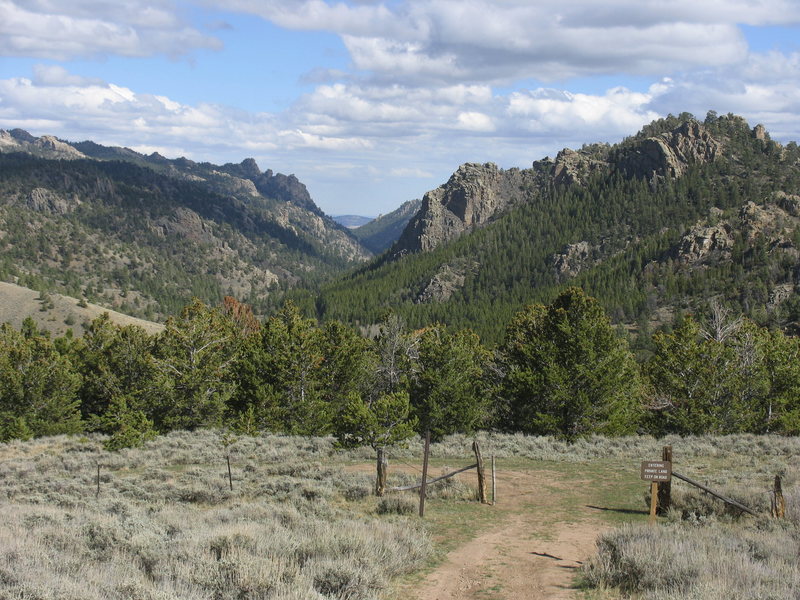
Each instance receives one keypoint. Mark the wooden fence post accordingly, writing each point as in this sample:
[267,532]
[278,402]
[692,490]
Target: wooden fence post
[665,487]
[230,477]
[494,483]
[778,508]
[653,501]
[382,471]
[481,473]
[424,473]
[97,493]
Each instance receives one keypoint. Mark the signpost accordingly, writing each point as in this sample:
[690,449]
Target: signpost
[655,471]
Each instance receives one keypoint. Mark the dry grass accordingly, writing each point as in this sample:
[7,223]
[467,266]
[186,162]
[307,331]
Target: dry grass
[707,549]
[17,303]
[296,525]
[166,525]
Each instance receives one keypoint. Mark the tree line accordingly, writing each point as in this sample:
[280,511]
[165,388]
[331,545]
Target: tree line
[562,369]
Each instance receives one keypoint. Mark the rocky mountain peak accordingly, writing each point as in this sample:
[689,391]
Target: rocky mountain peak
[286,188]
[573,166]
[669,154]
[472,197]
[250,168]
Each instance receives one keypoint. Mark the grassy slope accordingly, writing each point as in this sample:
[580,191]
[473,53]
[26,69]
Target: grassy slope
[59,313]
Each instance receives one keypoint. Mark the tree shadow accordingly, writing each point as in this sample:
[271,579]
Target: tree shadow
[625,511]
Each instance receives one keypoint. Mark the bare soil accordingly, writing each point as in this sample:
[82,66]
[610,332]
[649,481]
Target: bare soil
[531,550]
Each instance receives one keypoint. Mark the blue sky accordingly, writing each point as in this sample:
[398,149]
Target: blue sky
[370,102]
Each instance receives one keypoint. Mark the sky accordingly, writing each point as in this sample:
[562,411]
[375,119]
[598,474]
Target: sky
[374,102]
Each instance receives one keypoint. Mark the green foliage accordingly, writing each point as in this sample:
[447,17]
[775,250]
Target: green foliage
[13,428]
[129,428]
[567,373]
[380,422]
[281,375]
[37,387]
[716,381]
[115,362]
[450,387]
[195,357]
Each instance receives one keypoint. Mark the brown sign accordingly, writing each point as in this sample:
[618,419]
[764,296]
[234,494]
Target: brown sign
[656,470]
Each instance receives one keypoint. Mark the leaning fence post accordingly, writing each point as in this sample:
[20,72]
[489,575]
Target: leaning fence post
[665,487]
[424,473]
[481,474]
[97,493]
[778,508]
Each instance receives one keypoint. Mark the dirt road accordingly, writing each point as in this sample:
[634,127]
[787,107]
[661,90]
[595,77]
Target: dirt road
[532,551]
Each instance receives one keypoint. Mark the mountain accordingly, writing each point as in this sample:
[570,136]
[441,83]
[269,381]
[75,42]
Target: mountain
[655,226]
[351,221]
[379,234]
[144,234]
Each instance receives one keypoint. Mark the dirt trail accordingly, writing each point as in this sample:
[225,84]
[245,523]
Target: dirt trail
[532,551]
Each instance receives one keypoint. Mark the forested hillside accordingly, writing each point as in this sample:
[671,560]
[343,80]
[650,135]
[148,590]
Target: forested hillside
[144,235]
[653,227]
[379,234]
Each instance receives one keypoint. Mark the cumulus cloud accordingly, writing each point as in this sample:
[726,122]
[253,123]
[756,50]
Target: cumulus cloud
[76,108]
[96,28]
[420,42]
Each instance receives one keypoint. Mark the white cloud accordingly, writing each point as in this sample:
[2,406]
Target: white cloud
[408,172]
[475,121]
[55,75]
[95,28]
[421,42]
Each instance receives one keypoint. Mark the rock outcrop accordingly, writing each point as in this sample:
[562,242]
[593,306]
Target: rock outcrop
[47,146]
[703,243]
[46,201]
[669,154]
[573,259]
[573,167]
[472,197]
[287,188]
[449,279]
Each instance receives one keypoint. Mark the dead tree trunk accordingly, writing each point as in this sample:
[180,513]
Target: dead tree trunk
[382,468]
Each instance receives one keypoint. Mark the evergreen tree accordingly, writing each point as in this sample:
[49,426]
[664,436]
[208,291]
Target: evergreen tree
[195,357]
[449,391]
[38,387]
[567,373]
[378,422]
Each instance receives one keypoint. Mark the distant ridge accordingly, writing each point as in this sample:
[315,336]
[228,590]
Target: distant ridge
[352,221]
[380,233]
[145,234]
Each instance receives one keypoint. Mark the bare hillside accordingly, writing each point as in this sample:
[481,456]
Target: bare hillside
[57,313]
